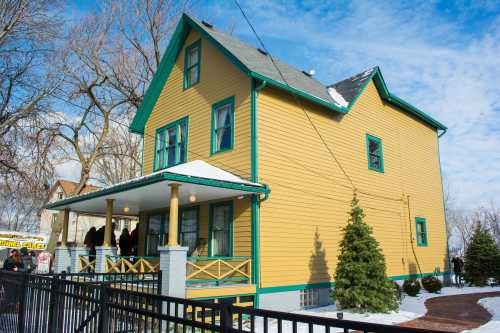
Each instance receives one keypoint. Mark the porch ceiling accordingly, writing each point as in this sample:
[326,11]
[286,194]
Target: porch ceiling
[150,192]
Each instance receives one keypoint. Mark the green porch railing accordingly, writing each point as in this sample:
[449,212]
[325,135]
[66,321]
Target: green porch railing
[218,270]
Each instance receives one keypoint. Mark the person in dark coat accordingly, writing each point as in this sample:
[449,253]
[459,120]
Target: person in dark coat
[90,242]
[458,266]
[13,262]
[26,260]
[125,243]
[99,238]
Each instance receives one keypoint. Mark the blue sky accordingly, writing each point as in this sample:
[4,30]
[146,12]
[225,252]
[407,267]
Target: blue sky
[442,56]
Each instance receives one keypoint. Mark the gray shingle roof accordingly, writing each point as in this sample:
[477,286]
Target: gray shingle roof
[260,63]
[350,87]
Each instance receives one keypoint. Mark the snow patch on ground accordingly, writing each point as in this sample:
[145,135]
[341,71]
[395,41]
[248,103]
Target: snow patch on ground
[492,304]
[411,308]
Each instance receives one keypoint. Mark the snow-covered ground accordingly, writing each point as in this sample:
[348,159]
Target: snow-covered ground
[491,304]
[411,308]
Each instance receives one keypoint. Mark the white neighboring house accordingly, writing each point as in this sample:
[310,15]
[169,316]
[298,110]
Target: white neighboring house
[79,224]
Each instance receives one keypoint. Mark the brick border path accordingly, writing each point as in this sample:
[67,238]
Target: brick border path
[453,313]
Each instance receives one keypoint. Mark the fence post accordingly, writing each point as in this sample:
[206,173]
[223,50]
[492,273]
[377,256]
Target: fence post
[54,287]
[103,312]
[226,316]
[22,303]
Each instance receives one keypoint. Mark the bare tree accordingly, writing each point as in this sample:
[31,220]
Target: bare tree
[106,63]
[26,30]
[121,158]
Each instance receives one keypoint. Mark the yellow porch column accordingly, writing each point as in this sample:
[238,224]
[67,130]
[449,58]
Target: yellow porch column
[174,215]
[108,229]
[65,226]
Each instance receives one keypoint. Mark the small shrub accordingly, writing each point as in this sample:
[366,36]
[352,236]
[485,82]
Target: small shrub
[432,284]
[398,292]
[411,287]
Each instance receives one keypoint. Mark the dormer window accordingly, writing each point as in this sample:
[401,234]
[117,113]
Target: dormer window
[192,59]
[60,195]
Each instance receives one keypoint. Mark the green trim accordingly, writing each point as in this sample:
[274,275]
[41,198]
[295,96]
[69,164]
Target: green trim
[204,258]
[219,297]
[142,156]
[183,121]
[155,178]
[210,227]
[444,203]
[278,289]
[160,77]
[255,199]
[217,281]
[422,221]
[228,101]
[188,49]
[179,225]
[295,287]
[370,138]
[298,92]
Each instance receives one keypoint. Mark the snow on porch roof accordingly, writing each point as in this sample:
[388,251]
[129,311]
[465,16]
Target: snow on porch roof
[151,191]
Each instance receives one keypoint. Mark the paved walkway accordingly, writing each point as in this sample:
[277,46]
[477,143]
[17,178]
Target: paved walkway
[453,313]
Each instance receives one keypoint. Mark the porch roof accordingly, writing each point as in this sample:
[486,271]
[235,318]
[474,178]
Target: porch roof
[149,192]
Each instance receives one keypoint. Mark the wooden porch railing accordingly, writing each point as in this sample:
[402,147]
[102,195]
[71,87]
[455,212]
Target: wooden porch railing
[87,265]
[119,264]
[219,270]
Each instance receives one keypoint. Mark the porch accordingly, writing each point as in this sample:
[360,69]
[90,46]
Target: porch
[208,252]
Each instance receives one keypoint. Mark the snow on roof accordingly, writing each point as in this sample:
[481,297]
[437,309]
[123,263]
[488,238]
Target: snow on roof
[202,169]
[338,99]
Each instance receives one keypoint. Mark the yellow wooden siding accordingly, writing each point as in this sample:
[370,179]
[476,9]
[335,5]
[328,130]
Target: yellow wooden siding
[223,291]
[311,196]
[219,79]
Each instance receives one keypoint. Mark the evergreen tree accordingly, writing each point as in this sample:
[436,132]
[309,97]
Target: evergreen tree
[360,278]
[481,258]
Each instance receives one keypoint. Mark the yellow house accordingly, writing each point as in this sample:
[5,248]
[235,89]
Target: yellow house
[263,160]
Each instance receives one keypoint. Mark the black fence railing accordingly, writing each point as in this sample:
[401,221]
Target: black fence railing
[66,303]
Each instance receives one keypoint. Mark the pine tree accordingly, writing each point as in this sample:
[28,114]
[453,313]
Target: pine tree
[481,258]
[360,278]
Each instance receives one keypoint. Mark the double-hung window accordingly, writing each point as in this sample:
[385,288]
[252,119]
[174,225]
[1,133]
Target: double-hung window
[189,228]
[192,59]
[221,221]
[374,153]
[421,228]
[222,125]
[171,144]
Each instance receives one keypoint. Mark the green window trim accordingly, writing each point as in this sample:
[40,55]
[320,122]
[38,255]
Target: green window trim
[178,158]
[370,138]
[421,231]
[213,132]
[196,66]
[182,210]
[210,228]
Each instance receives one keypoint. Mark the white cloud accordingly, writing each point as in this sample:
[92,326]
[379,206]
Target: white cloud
[446,62]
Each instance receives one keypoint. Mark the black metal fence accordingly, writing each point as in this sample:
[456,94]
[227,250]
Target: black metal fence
[70,303]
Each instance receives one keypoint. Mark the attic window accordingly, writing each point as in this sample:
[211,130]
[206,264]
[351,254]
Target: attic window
[206,24]
[192,64]
[374,153]
[262,51]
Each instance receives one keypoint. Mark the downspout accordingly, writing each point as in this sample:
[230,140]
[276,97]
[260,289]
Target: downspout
[446,267]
